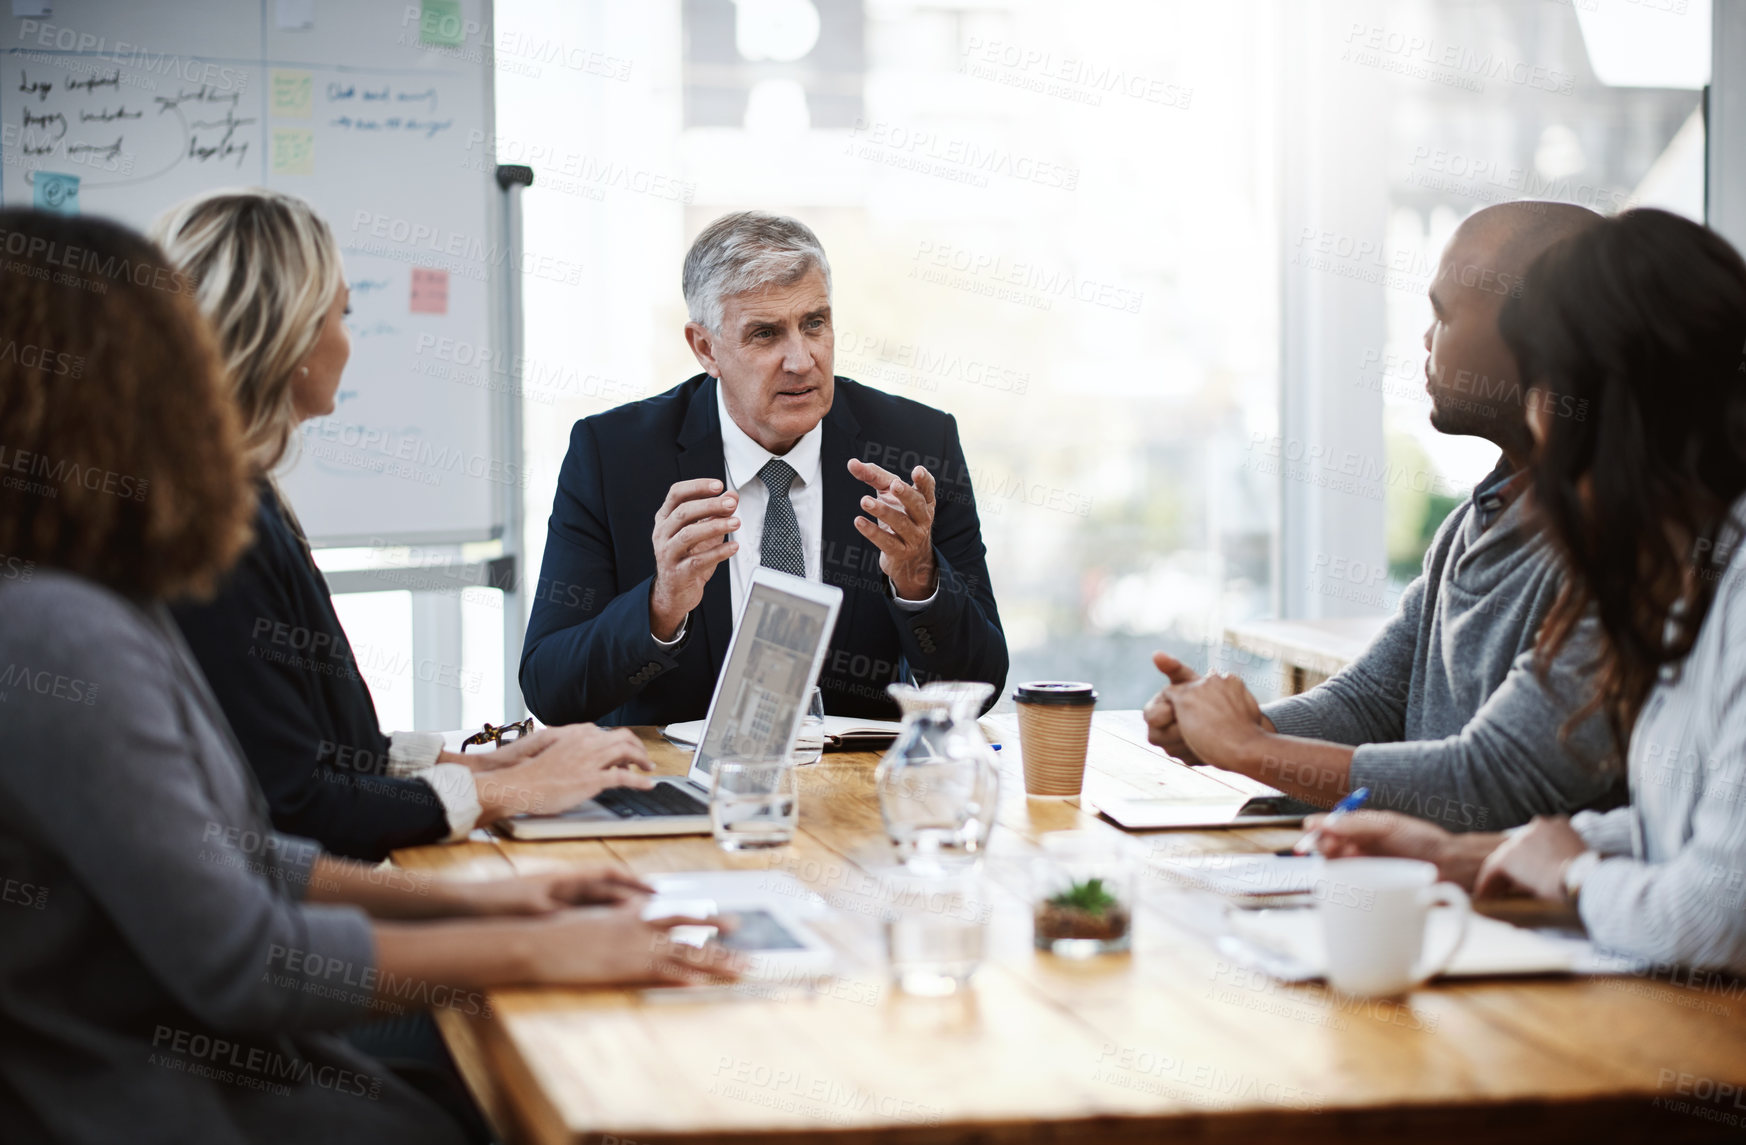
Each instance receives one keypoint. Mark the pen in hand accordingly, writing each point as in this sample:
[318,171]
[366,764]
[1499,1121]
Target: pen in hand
[1344,807]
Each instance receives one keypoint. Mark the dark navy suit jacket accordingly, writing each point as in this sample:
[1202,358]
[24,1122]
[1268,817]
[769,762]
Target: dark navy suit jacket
[589,654]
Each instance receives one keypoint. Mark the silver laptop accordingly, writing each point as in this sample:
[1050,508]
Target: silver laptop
[772,665]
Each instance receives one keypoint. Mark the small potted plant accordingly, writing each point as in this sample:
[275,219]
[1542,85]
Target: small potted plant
[1084,896]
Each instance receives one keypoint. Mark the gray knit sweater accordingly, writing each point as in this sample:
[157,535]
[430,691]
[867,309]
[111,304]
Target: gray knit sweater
[1451,720]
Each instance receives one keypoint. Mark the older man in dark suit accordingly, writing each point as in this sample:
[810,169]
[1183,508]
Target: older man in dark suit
[765,458]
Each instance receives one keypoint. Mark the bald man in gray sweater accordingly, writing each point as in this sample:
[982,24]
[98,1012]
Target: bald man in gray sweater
[1445,715]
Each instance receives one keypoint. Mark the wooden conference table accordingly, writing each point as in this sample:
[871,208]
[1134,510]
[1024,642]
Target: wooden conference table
[1170,1042]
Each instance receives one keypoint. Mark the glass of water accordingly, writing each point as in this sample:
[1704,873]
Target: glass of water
[753,803]
[935,934]
[809,743]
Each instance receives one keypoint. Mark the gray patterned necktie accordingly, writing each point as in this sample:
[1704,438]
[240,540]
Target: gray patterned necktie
[781,548]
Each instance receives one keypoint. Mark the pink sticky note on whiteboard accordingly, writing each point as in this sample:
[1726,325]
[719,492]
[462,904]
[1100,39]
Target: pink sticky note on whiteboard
[430,291]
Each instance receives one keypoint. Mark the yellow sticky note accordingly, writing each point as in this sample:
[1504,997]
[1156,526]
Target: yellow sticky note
[293,151]
[292,93]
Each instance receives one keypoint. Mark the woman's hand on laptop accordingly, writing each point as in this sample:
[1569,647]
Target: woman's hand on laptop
[571,765]
[608,945]
[518,750]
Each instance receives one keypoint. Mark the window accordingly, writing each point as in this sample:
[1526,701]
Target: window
[1093,233]
[1055,222]
[1494,100]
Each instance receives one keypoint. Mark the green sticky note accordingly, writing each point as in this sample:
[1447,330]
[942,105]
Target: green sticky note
[293,151]
[55,192]
[441,24]
[292,94]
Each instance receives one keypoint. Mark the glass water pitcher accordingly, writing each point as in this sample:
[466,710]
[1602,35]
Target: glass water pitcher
[939,785]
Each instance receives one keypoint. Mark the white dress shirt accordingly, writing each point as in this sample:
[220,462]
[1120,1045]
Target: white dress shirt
[743,459]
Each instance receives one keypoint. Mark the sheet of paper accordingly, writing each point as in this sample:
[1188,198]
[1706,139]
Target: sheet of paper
[686,733]
[727,889]
[1288,944]
[1240,874]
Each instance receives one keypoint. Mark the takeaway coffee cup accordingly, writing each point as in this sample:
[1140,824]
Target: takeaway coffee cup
[1054,718]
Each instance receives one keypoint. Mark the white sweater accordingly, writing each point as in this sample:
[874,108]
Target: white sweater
[1673,885]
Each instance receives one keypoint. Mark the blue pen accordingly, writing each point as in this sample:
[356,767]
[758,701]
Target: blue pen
[1341,809]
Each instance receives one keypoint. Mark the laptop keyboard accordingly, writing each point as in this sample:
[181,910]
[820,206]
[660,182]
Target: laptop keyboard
[662,799]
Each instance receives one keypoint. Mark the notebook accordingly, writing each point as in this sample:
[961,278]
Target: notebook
[1244,874]
[841,733]
[1287,944]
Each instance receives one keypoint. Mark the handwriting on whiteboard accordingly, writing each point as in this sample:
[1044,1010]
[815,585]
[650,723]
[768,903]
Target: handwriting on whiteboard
[429,127]
[96,118]
[385,107]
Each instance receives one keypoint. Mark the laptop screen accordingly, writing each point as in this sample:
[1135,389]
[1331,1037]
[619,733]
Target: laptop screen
[772,663]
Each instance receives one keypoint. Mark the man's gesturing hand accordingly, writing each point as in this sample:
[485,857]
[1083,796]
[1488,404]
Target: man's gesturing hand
[902,526]
[1218,718]
[1162,730]
[689,542]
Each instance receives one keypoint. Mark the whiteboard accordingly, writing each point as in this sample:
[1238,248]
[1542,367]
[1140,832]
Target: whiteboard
[380,113]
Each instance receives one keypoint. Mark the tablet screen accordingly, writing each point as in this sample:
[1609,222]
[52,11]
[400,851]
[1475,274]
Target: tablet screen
[756,930]
[765,681]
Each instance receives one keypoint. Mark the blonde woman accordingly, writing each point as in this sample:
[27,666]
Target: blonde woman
[172,969]
[270,282]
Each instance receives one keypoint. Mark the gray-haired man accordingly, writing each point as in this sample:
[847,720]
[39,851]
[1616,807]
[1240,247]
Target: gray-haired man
[765,458]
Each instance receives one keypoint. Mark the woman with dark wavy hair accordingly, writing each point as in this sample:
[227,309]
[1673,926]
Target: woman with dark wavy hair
[1634,333]
[171,968]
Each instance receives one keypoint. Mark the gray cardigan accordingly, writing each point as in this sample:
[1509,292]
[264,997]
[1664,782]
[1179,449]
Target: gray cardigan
[1451,720]
[160,977]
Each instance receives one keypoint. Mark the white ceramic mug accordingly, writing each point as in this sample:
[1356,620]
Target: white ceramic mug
[1374,913]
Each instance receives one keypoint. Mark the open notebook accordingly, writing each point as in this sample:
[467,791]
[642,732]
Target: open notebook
[1287,944]
[842,733]
[1237,875]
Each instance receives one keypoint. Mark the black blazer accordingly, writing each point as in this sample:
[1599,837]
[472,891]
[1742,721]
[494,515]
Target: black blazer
[282,669]
[589,654]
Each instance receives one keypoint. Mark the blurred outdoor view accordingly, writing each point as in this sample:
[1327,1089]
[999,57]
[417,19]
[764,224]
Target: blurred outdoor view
[1060,223]
[1055,222]
[1596,102]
